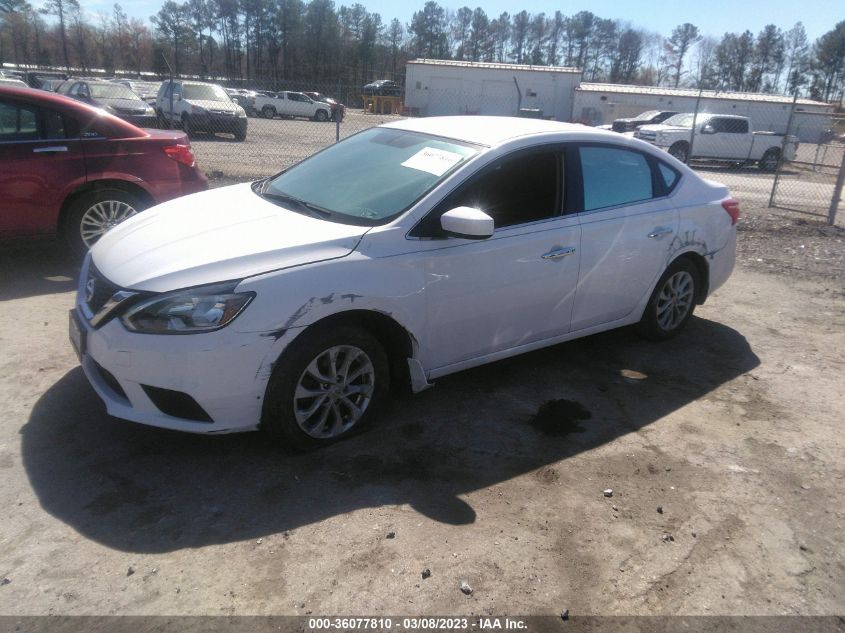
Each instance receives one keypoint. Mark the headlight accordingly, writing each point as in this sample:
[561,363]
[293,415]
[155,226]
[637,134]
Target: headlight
[109,109]
[197,109]
[241,112]
[191,311]
[149,111]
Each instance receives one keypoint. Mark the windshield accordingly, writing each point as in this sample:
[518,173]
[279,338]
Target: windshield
[680,120]
[203,92]
[645,116]
[372,176]
[112,91]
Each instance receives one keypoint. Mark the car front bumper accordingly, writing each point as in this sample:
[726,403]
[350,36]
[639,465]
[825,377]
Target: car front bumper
[219,123]
[200,383]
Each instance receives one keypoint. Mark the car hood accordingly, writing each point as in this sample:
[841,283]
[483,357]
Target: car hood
[214,105]
[217,235]
[124,104]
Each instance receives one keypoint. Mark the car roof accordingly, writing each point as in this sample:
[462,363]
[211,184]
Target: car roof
[489,130]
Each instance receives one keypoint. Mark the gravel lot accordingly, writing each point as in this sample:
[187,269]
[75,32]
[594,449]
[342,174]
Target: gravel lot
[723,449]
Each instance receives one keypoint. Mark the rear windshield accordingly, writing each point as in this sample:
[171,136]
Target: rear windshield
[372,176]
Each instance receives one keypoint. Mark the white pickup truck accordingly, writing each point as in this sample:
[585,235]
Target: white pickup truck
[292,104]
[719,137]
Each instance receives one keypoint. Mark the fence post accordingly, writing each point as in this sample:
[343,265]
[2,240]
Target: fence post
[837,193]
[692,129]
[782,149]
[337,128]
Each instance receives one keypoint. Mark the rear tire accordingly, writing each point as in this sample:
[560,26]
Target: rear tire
[94,213]
[680,150]
[770,160]
[321,116]
[305,407]
[672,303]
[187,127]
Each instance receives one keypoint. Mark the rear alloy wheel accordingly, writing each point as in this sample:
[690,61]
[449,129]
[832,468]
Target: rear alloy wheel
[680,150]
[326,385]
[269,112]
[673,301]
[321,116]
[770,160]
[97,212]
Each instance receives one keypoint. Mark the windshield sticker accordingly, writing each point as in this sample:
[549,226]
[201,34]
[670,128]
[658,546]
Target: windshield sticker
[432,160]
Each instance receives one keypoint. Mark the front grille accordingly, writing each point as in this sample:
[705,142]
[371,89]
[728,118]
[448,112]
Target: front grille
[98,290]
[619,126]
[646,136]
[131,110]
[222,112]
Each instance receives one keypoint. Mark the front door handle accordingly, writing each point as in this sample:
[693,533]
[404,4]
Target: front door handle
[558,253]
[660,232]
[50,150]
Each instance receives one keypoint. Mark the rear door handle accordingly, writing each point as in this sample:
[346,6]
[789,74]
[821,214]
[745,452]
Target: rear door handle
[558,253]
[50,150]
[660,232]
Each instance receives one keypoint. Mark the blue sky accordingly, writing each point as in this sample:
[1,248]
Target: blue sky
[713,18]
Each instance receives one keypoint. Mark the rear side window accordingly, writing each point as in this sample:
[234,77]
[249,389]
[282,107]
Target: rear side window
[614,176]
[731,126]
[18,123]
[669,177]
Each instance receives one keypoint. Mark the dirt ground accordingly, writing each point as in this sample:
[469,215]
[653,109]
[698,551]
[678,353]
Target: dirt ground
[723,448]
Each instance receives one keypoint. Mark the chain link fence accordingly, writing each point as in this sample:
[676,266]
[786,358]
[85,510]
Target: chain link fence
[769,152]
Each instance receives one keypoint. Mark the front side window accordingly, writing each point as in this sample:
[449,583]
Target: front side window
[516,190]
[18,123]
[614,176]
[369,177]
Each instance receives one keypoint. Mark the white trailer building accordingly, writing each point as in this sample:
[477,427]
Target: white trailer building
[597,104]
[439,87]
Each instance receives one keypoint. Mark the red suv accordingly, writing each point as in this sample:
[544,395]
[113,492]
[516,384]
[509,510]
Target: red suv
[70,169]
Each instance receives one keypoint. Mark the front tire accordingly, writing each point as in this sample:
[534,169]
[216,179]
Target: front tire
[680,150]
[328,384]
[94,213]
[269,112]
[672,303]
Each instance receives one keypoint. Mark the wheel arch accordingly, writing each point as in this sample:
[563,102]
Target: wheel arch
[398,343]
[99,185]
[703,269]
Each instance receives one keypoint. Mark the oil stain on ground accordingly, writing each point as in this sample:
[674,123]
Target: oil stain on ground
[560,417]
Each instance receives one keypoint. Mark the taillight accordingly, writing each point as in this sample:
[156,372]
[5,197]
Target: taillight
[732,207]
[181,154]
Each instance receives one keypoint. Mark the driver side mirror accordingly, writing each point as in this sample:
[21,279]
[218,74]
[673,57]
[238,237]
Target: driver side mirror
[708,129]
[468,223]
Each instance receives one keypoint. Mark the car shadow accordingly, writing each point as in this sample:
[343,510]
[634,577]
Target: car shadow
[140,489]
[39,267]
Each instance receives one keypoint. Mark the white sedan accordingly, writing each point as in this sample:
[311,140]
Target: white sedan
[404,253]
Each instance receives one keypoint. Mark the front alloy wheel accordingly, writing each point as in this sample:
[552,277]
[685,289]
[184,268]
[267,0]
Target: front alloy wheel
[334,392]
[326,385]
